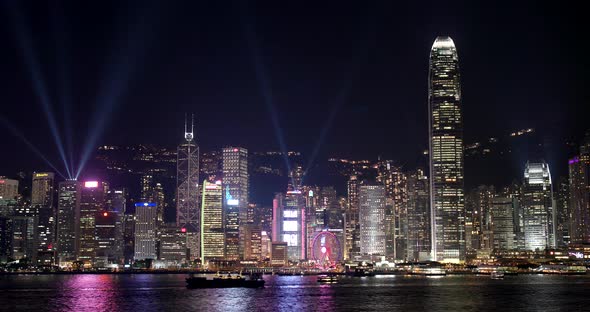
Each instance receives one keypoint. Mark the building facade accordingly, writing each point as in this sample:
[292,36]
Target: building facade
[446,153]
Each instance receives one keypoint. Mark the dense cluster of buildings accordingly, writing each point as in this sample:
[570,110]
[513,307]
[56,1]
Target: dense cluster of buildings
[396,215]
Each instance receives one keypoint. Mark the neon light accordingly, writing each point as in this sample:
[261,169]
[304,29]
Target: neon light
[105,214]
[40,175]
[324,249]
[183,230]
[218,182]
[91,184]
[1,181]
[211,186]
[294,192]
[145,204]
[310,194]
[235,149]
[233,202]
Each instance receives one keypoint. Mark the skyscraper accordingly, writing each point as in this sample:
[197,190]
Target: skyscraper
[212,234]
[93,199]
[446,153]
[187,192]
[579,202]
[372,219]
[418,216]
[8,188]
[68,207]
[538,207]
[293,231]
[236,184]
[352,218]
[42,201]
[502,223]
[145,231]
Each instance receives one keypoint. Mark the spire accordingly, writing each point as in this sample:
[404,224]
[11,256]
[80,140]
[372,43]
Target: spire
[188,135]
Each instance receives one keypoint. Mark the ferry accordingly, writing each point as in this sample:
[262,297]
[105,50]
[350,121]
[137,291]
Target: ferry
[497,275]
[327,278]
[227,281]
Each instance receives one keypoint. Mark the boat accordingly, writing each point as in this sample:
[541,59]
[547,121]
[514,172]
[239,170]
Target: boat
[327,278]
[497,275]
[227,281]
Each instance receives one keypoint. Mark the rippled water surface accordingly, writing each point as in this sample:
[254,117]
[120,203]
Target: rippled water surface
[144,292]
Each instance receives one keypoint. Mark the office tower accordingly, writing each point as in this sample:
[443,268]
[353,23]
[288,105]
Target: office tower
[372,219]
[477,205]
[68,208]
[106,237]
[8,189]
[265,245]
[278,203]
[352,244]
[236,184]
[446,153]
[537,203]
[329,214]
[418,216]
[211,165]
[145,231]
[93,199]
[501,223]
[279,255]
[212,233]
[562,212]
[147,186]
[160,200]
[118,205]
[579,201]
[42,201]
[172,245]
[24,237]
[292,229]
[394,181]
[5,239]
[252,242]
[129,237]
[187,192]
[514,191]
[295,178]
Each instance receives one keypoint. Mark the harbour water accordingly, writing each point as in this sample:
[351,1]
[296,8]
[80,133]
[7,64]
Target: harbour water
[146,292]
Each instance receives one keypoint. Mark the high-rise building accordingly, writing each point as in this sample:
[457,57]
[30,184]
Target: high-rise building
[145,231]
[278,203]
[446,153]
[477,206]
[501,223]
[5,239]
[42,201]
[93,199]
[8,188]
[372,219]
[118,206]
[212,233]
[236,183]
[292,229]
[106,235]
[187,192]
[418,216]
[252,242]
[395,182]
[579,201]
[538,207]
[68,209]
[352,245]
[172,245]
[562,212]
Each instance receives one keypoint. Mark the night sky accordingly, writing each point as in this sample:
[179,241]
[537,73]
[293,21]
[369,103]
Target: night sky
[127,72]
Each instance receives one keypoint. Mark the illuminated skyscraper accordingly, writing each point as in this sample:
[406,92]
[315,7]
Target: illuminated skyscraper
[93,199]
[502,223]
[42,201]
[538,207]
[236,185]
[212,234]
[8,188]
[293,231]
[579,192]
[418,216]
[68,208]
[187,182]
[372,219]
[145,231]
[352,218]
[446,153]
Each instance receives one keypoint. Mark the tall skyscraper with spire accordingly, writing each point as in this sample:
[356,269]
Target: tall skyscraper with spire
[187,190]
[446,153]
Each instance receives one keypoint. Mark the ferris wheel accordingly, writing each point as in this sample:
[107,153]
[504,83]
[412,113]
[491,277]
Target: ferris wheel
[326,249]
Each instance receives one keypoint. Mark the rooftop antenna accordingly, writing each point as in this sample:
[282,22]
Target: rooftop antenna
[188,135]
